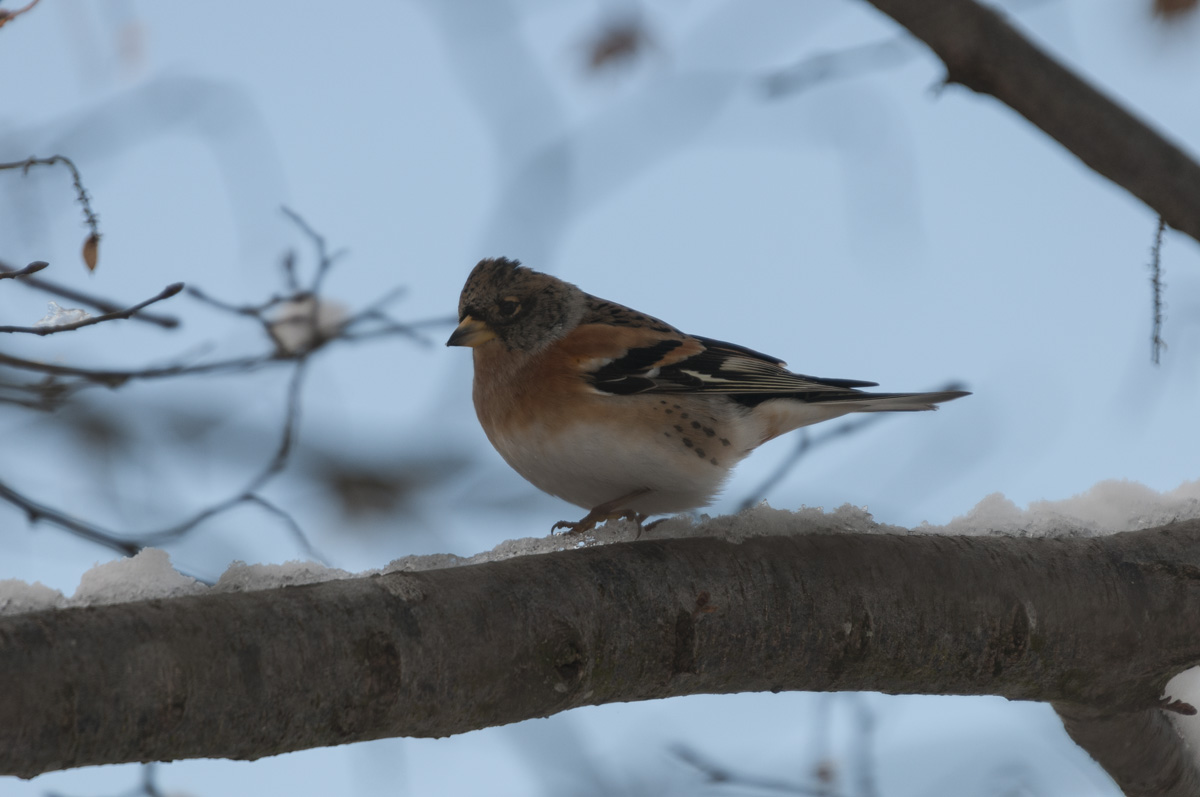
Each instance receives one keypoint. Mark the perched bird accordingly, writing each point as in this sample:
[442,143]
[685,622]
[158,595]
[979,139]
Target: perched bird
[620,413]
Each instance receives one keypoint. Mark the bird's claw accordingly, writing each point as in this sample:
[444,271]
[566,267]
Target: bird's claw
[591,519]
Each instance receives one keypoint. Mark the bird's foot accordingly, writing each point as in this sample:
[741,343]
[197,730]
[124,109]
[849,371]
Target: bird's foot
[596,516]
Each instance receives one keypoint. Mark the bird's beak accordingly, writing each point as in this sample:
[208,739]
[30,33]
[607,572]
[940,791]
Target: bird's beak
[471,333]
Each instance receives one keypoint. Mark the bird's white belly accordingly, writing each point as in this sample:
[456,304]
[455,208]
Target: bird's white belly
[588,465]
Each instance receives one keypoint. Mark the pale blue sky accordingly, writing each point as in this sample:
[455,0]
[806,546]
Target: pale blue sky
[869,228]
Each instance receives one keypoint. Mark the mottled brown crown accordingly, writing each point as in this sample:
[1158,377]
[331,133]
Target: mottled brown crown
[526,309]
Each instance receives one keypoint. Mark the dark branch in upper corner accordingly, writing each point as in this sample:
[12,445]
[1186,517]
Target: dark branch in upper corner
[165,293]
[985,53]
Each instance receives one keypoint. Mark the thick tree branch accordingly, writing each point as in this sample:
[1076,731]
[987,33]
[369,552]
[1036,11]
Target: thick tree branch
[1100,623]
[983,52]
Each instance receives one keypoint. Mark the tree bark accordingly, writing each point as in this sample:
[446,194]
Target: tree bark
[1095,625]
[984,53]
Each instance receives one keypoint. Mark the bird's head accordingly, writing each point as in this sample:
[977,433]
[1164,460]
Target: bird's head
[520,308]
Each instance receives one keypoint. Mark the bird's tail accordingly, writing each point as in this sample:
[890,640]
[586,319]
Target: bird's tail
[894,402]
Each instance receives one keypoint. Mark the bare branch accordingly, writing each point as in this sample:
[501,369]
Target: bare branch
[808,441]
[89,531]
[9,16]
[248,494]
[89,217]
[294,527]
[984,53]
[103,305]
[325,258]
[1157,344]
[717,774]
[250,310]
[32,268]
[847,63]
[117,377]
[114,378]
[130,544]
[165,293]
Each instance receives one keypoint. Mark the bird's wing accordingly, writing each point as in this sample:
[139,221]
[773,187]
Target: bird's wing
[654,361]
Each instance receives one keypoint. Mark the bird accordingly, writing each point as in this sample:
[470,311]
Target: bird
[622,414]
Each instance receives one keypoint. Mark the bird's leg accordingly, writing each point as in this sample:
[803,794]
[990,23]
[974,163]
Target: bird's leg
[609,510]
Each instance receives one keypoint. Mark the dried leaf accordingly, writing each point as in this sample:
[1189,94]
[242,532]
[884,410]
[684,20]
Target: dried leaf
[91,251]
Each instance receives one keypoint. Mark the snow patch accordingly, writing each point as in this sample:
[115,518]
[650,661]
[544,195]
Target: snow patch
[1109,507]
[241,577]
[142,577]
[18,597]
[61,316]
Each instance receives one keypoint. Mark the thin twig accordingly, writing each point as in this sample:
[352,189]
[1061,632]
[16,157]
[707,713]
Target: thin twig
[1157,344]
[118,377]
[809,441]
[864,767]
[325,258]
[150,780]
[251,310]
[847,63]
[247,493]
[103,305]
[805,443]
[852,62]
[165,293]
[717,774]
[89,531]
[9,16]
[75,378]
[289,271]
[131,544]
[81,193]
[32,268]
[293,526]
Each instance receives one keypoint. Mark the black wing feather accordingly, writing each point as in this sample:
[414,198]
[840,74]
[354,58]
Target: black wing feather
[720,368]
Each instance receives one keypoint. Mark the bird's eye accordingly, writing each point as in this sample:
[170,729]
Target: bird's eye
[508,307]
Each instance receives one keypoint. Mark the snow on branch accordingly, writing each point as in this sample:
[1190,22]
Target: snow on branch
[78,296]
[63,320]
